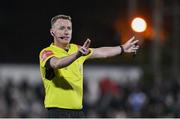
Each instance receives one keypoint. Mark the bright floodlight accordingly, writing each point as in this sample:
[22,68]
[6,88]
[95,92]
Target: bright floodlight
[138,24]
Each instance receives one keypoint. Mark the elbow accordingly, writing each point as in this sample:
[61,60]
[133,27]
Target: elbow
[54,66]
[57,65]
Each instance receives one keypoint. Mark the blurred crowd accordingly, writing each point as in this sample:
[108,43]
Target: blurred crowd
[155,98]
[22,99]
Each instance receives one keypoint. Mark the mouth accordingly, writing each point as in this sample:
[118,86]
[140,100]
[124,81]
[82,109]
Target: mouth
[64,37]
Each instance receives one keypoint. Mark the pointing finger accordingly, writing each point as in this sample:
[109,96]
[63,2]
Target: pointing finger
[87,43]
[132,38]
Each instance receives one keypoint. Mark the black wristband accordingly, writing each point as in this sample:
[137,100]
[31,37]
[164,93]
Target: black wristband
[122,50]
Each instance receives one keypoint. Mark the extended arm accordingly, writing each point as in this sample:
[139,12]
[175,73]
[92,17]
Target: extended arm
[104,52]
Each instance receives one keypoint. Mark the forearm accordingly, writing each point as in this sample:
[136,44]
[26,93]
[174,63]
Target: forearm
[105,52]
[57,63]
[110,51]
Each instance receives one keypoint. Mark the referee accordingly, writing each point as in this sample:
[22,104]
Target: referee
[61,67]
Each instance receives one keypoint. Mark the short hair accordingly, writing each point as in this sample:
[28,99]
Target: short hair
[61,16]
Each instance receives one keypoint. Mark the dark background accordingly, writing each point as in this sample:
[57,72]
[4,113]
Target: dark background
[25,25]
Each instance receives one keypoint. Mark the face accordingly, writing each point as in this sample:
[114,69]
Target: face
[62,31]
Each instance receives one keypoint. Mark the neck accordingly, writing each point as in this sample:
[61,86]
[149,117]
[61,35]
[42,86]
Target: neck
[63,46]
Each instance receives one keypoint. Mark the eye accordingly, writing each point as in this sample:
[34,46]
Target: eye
[62,28]
[69,28]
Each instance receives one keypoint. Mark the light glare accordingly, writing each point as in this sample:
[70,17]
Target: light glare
[138,24]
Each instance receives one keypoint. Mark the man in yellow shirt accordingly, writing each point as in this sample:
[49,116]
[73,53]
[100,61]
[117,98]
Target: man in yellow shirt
[61,67]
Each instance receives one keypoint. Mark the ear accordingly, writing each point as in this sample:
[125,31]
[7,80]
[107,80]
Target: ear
[51,32]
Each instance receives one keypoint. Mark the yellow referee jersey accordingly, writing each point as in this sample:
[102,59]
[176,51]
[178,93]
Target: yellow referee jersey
[65,89]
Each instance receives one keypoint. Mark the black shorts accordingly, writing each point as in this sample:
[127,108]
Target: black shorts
[65,113]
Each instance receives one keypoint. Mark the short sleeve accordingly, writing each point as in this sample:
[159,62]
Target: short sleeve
[91,52]
[84,58]
[44,56]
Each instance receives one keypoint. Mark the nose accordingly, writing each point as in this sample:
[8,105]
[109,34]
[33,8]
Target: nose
[66,31]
